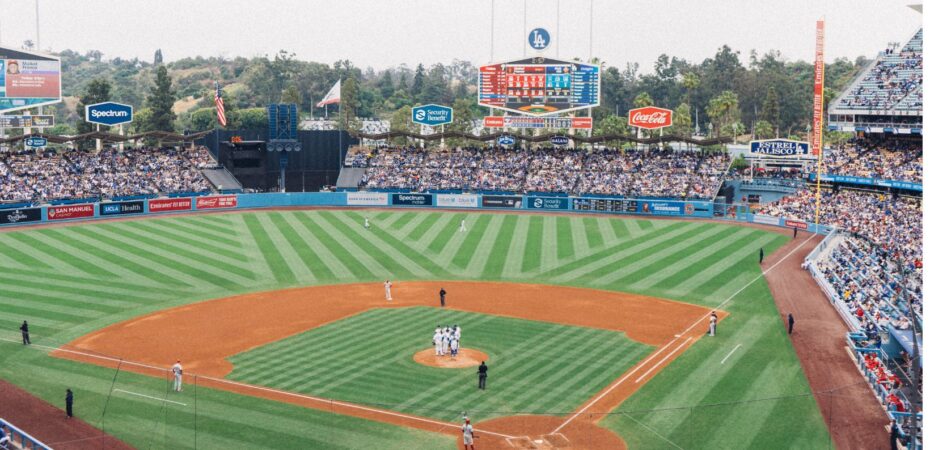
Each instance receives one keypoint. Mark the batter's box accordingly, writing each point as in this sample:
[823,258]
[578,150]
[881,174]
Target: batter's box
[557,440]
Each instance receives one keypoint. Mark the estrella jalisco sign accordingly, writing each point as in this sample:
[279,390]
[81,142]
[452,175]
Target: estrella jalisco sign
[779,147]
[432,115]
[108,113]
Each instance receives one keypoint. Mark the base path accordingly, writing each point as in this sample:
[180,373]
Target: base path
[49,424]
[852,413]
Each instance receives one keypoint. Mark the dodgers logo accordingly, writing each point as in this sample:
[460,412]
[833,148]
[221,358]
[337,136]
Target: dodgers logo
[539,39]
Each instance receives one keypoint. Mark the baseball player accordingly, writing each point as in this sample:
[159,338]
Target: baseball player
[713,324]
[446,340]
[462,227]
[367,225]
[457,333]
[437,341]
[454,346]
[468,435]
[387,290]
[177,371]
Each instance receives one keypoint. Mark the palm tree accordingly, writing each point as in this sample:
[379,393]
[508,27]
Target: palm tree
[643,99]
[690,81]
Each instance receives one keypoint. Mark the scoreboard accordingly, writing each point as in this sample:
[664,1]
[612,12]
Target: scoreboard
[605,204]
[539,86]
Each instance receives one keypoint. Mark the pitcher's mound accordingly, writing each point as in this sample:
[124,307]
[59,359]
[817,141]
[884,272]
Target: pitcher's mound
[466,358]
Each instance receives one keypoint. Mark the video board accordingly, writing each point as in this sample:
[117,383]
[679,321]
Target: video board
[605,204]
[28,79]
[539,86]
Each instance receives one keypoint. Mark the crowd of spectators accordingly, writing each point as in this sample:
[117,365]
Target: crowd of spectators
[895,81]
[652,173]
[29,176]
[889,160]
[882,230]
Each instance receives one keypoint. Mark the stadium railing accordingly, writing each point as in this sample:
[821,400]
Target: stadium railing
[21,438]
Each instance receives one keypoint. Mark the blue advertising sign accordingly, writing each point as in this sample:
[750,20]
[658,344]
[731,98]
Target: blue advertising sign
[547,202]
[36,142]
[539,39]
[558,140]
[894,184]
[779,147]
[506,140]
[662,208]
[108,113]
[115,208]
[412,199]
[432,115]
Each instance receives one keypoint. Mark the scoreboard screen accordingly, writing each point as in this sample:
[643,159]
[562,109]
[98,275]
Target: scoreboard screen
[605,204]
[539,86]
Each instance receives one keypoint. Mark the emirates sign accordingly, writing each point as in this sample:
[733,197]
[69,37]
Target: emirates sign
[650,117]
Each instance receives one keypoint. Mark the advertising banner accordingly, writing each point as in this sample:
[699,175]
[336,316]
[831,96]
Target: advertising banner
[894,184]
[796,224]
[501,201]
[780,147]
[70,211]
[767,220]
[817,130]
[412,199]
[220,201]
[616,205]
[649,117]
[116,208]
[20,215]
[366,199]
[432,115]
[170,204]
[660,208]
[547,202]
[457,200]
[577,123]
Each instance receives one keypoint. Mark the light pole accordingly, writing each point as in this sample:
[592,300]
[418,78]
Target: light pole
[915,356]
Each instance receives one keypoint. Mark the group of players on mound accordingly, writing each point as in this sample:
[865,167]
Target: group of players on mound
[446,340]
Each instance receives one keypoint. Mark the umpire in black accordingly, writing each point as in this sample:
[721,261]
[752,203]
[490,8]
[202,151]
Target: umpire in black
[69,403]
[482,375]
[25,329]
[442,297]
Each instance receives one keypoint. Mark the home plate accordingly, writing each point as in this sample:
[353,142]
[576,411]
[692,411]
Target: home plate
[677,335]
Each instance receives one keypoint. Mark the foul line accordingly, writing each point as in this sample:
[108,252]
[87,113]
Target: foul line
[149,396]
[261,388]
[677,336]
[731,353]
[656,365]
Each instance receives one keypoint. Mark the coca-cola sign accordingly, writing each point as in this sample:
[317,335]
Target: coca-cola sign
[650,117]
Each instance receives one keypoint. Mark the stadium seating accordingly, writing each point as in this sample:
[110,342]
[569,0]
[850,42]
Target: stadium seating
[894,82]
[887,160]
[653,173]
[42,177]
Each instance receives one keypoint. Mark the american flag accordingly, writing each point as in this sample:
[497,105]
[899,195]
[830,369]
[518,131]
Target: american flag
[220,108]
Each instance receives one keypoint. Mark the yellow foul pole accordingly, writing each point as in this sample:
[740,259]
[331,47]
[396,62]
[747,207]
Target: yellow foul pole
[817,131]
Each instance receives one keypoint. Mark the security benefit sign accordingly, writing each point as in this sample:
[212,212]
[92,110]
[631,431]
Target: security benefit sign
[547,202]
[432,115]
[780,147]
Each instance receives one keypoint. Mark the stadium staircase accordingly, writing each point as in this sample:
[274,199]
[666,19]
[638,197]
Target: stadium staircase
[350,177]
[221,178]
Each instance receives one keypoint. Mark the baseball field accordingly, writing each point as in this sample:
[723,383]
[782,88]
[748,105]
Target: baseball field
[593,329]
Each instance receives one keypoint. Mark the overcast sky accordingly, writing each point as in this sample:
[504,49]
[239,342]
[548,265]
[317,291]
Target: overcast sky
[382,33]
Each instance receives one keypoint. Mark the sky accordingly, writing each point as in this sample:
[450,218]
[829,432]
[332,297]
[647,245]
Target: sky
[386,33]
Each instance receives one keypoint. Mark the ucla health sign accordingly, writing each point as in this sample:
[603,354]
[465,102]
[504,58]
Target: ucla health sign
[432,115]
[108,113]
[780,147]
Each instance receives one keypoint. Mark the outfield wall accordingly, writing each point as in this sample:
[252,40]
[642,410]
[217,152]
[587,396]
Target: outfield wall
[542,203]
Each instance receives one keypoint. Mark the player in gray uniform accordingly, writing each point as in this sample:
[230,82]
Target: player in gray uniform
[437,341]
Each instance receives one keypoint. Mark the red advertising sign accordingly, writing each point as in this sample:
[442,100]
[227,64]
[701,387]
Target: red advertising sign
[817,130]
[221,201]
[170,204]
[494,122]
[796,224]
[650,117]
[583,122]
[70,211]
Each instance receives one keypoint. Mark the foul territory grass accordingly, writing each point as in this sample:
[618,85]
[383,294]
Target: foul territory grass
[73,280]
[535,367]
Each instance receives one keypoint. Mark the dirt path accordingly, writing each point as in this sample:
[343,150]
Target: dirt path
[204,334]
[852,413]
[48,423]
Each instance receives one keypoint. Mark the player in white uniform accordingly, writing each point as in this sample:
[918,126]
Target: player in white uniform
[367,225]
[387,290]
[462,226]
[468,435]
[457,333]
[177,371]
[437,342]
[446,340]
[454,346]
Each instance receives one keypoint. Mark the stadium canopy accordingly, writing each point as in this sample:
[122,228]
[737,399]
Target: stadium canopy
[543,137]
[109,137]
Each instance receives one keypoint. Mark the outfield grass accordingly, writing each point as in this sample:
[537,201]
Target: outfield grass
[536,367]
[69,281]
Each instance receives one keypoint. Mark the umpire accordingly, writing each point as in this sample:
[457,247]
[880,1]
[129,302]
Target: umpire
[482,375]
[442,297]
[25,329]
